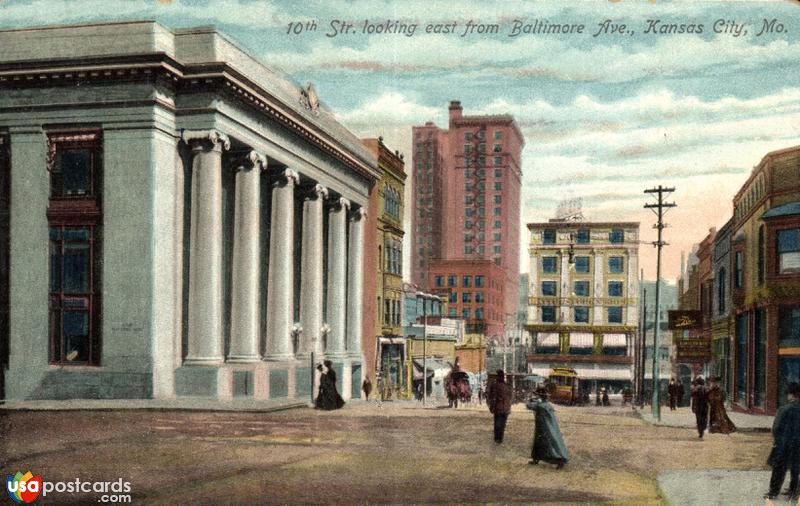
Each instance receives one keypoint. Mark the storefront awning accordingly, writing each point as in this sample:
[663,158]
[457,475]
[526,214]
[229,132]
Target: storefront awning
[436,368]
[547,339]
[581,340]
[588,373]
[614,340]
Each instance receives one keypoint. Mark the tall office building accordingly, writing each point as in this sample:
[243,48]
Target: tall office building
[466,218]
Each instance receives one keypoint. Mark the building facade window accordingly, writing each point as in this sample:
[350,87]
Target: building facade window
[549,264]
[615,265]
[789,326]
[761,255]
[479,313]
[582,236]
[75,223]
[478,281]
[465,313]
[452,297]
[788,251]
[498,134]
[466,281]
[439,281]
[738,269]
[616,236]
[615,314]
[721,282]
[466,297]
[581,314]
[451,280]
[741,360]
[479,297]
[582,264]
[581,288]
[548,314]
[549,288]
[615,288]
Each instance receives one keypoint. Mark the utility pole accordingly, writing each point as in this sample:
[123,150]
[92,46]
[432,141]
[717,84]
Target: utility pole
[660,209]
[642,348]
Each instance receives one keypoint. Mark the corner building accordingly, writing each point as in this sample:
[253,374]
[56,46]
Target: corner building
[582,302]
[467,182]
[178,220]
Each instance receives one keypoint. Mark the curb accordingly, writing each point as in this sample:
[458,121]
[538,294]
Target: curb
[654,423]
[272,409]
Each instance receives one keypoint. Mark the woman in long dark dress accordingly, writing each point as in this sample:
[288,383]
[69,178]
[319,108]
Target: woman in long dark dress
[548,445]
[718,421]
[328,394]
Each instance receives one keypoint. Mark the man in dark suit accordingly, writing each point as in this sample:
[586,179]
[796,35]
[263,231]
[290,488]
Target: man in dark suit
[498,398]
[700,404]
[785,452]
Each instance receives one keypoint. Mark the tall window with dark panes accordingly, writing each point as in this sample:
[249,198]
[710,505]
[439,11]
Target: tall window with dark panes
[75,220]
[5,201]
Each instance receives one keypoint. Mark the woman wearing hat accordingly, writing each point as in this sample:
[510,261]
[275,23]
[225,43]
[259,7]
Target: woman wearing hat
[548,445]
[718,421]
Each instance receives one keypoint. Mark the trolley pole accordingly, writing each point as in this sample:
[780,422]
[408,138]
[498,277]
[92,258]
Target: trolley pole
[660,209]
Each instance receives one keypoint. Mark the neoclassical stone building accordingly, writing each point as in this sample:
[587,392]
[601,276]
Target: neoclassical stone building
[177,220]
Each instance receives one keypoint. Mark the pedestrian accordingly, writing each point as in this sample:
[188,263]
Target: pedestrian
[329,397]
[366,387]
[480,394]
[498,398]
[606,402]
[785,452]
[700,404]
[718,421]
[672,392]
[548,445]
[597,401]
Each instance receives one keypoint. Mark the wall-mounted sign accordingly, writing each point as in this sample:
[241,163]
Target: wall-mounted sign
[685,320]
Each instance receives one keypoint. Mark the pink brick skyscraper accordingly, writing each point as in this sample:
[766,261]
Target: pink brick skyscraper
[466,203]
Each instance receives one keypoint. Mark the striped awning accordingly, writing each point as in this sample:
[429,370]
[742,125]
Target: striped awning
[547,339]
[614,340]
[581,340]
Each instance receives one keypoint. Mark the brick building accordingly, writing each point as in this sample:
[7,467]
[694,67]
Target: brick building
[467,182]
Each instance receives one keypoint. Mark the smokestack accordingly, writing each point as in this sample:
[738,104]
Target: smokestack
[455,110]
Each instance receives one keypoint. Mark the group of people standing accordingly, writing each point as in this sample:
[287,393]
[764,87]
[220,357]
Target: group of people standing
[708,406]
[548,445]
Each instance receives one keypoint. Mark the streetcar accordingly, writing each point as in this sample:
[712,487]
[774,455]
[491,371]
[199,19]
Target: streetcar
[563,385]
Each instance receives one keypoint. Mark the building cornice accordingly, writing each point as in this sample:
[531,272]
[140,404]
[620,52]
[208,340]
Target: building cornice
[127,68]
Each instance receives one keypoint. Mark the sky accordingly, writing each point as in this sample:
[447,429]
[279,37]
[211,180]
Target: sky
[604,115]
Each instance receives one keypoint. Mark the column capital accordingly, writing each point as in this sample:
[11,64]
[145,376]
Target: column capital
[206,139]
[253,160]
[358,214]
[288,176]
[317,192]
[340,203]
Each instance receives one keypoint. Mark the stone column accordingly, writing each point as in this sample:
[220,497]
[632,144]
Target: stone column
[245,285]
[311,288]
[280,287]
[600,288]
[337,270]
[566,288]
[355,282]
[205,344]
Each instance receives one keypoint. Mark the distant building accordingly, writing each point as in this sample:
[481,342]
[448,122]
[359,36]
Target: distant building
[466,203]
[668,300]
[583,299]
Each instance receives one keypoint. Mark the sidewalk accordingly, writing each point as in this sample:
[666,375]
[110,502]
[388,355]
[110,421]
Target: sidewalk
[716,487]
[182,404]
[683,417]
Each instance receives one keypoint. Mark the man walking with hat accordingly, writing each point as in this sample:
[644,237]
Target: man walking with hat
[498,398]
